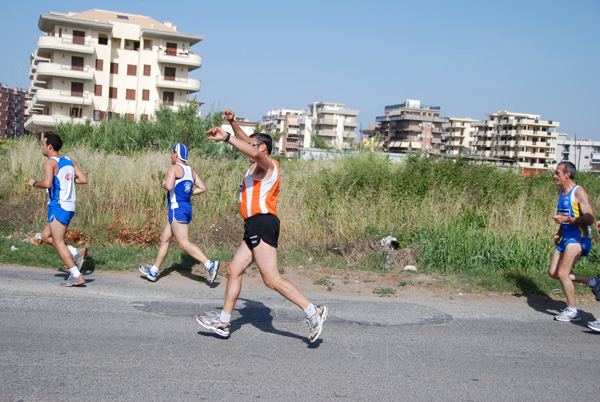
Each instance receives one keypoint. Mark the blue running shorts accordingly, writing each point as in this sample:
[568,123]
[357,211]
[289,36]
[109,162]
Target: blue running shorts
[181,214]
[586,244]
[60,214]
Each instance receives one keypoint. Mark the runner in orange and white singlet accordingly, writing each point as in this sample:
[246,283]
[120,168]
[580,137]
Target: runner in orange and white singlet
[258,196]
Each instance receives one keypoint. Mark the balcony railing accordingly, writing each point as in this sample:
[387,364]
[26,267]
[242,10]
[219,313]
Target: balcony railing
[168,104]
[58,43]
[186,84]
[63,70]
[179,57]
[58,96]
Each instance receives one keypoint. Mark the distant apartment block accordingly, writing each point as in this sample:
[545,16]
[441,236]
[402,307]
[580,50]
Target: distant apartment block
[458,136]
[331,122]
[284,121]
[411,127]
[101,64]
[13,105]
[583,153]
[516,139]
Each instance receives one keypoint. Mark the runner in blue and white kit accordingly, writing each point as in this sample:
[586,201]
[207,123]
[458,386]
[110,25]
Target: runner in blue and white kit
[181,183]
[60,176]
[574,238]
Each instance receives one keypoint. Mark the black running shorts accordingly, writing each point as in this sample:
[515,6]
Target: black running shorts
[265,227]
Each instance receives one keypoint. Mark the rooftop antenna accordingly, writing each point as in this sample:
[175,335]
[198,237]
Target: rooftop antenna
[141,4]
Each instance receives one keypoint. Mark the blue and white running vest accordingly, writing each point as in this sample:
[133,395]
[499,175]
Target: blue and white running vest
[568,207]
[181,193]
[62,192]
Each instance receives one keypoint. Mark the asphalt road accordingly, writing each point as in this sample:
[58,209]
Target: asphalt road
[121,338]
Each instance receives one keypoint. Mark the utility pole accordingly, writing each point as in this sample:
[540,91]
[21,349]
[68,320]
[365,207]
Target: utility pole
[579,155]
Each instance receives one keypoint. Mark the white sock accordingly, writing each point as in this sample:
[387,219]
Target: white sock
[224,317]
[310,310]
[153,269]
[573,309]
[75,272]
[207,264]
[72,250]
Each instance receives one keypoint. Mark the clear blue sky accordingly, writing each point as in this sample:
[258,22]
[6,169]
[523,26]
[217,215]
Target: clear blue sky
[468,57]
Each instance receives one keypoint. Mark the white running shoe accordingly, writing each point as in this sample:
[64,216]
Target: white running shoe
[148,273]
[567,315]
[211,321]
[315,323]
[212,271]
[594,325]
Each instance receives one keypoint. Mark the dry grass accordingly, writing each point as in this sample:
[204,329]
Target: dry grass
[127,189]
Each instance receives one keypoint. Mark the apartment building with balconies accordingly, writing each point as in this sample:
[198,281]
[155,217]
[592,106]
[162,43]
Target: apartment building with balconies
[411,127]
[331,122]
[100,64]
[458,136]
[13,105]
[516,139]
[583,153]
[283,121]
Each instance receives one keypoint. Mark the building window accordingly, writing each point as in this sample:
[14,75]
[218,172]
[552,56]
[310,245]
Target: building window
[75,112]
[171,49]
[99,115]
[77,63]
[112,93]
[130,116]
[144,117]
[114,68]
[98,90]
[132,69]
[99,65]
[76,88]
[170,73]
[168,98]
[147,69]
[102,39]
[79,37]
[145,94]
[130,94]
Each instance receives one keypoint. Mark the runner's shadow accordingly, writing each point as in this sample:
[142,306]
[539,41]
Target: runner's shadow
[259,315]
[537,299]
[185,268]
[541,301]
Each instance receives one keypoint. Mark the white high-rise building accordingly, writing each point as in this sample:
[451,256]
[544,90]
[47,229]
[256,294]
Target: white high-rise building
[98,64]
[583,153]
[521,139]
[283,121]
[330,121]
[458,136]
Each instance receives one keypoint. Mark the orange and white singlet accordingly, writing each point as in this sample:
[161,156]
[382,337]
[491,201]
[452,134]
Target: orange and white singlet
[259,196]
